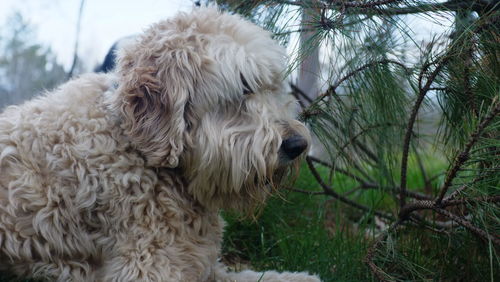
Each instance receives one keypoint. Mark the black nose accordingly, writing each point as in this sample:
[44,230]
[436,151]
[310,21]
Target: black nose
[294,146]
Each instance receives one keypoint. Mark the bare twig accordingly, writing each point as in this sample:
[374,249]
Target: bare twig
[361,132]
[331,92]
[415,195]
[344,172]
[330,192]
[305,191]
[460,189]
[438,89]
[300,93]
[363,148]
[367,4]
[77,40]
[428,205]
[368,185]
[431,205]
[333,88]
[413,116]
[354,164]
[465,223]
[337,4]
[492,199]
[434,223]
[297,96]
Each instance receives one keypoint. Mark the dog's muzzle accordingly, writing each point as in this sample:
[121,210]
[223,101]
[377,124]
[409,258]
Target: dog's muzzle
[293,146]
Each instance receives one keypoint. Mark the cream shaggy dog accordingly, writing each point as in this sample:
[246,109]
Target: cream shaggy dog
[120,177]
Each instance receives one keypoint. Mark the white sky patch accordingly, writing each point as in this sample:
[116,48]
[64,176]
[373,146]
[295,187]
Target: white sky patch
[103,22]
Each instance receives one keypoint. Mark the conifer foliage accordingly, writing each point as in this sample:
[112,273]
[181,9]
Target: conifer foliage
[389,99]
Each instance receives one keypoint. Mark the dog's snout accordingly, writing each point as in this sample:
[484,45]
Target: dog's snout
[294,146]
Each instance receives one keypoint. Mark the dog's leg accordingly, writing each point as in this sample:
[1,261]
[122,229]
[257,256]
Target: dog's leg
[139,267]
[137,263]
[222,275]
[58,270]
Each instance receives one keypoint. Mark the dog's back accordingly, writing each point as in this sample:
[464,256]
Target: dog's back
[48,148]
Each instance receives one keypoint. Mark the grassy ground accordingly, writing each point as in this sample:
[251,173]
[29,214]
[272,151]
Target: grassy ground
[298,232]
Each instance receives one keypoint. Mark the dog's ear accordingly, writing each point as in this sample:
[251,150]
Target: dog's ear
[154,90]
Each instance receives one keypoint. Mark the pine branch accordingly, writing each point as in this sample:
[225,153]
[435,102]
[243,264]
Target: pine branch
[367,4]
[331,91]
[333,88]
[342,171]
[467,224]
[362,147]
[464,155]
[361,132]
[369,185]
[330,192]
[420,205]
[460,189]
[423,90]
[374,9]
[492,199]
[431,205]
[451,6]
[414,207]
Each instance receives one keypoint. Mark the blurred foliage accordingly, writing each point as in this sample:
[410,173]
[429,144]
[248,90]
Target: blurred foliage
[26,67]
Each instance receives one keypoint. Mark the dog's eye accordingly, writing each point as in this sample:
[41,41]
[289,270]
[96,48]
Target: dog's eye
[246,88]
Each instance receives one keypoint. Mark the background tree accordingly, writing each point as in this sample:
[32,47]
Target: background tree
[372,116]
[26,68]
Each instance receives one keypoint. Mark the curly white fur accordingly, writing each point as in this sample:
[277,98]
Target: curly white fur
[120,177]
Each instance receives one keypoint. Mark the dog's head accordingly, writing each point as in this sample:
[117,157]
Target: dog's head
[204,92]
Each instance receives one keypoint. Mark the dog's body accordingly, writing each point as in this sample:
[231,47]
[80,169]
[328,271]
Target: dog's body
[120,177]
[75,194]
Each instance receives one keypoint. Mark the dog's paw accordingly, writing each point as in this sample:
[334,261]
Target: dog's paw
[273,276]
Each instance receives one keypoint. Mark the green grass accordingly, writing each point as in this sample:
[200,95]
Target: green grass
[298,232]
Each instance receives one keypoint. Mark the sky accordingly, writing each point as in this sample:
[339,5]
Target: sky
[103,22]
